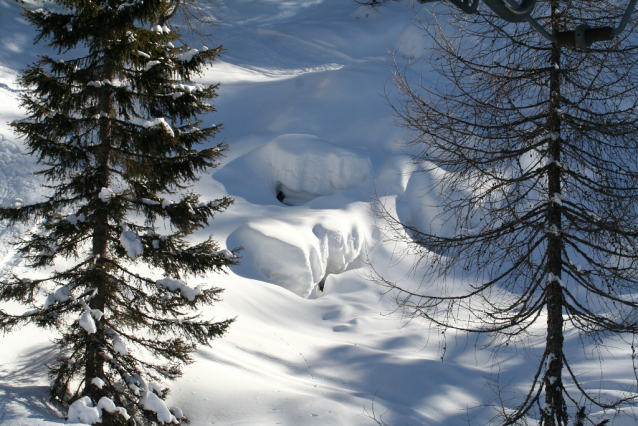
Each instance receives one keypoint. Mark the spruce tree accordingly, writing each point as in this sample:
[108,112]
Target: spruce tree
[112,120]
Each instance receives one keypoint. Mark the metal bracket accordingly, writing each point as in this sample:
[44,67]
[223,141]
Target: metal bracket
[580,36]
[583,36]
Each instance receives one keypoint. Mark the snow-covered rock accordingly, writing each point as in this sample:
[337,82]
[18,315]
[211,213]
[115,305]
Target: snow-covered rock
[298,256]
[295,169]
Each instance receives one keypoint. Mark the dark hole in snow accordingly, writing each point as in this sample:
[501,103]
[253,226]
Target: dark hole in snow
[322,283]
[291,197]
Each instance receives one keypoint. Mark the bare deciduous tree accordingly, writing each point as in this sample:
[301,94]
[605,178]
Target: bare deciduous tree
[532,151]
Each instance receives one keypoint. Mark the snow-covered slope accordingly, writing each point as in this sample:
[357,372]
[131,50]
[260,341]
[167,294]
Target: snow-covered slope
[311,138]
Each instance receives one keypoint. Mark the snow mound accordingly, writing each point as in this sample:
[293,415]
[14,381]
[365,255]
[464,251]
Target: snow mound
[299,256]
[294,169]
[422,206]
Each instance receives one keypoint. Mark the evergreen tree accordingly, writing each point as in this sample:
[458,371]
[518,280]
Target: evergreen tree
[531,148]
[113,122]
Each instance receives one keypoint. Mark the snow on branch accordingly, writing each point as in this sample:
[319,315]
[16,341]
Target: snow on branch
[61,294]
[188,292]
[188,55]
[97,382]
[105,195]
[152,402]
[131,242]
[227,254]
[553,278]
[87,323]
[160,121]
[118,345]
[83,410]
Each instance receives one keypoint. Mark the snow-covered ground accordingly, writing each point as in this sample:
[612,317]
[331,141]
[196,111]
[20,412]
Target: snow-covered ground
[311,138]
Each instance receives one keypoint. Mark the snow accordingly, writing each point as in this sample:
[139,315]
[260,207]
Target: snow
[61,294]
[99,383]
[97,314]
[73,219]
[177,412]
[152,402]
[131,242]
[187,55]
[149,65]
[87,323]
[296,168]
[83,411]
[553,278]
[419,205]
[297,256]
[412,44]
[226,253]
[119,346]
[303,115]
[105,195]
[553,230]
[172,284]
[159,121]
[150,202]
[108,405]
[556,199]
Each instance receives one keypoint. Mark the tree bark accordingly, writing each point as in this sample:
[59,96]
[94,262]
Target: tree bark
[94,361]
[554,413]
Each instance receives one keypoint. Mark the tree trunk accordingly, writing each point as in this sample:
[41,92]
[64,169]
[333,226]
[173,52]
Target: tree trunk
[554,412]
[94,361]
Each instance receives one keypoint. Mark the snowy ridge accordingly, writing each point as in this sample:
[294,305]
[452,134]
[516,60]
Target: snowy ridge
[226,73]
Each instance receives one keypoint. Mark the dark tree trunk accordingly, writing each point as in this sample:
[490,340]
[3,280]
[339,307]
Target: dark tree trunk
[554,413]
[94,361]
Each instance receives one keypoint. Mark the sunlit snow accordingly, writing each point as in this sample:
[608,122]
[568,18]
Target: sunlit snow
[312,150]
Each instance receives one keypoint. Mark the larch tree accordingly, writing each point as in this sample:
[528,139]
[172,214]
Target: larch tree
[113,122]
[531,148]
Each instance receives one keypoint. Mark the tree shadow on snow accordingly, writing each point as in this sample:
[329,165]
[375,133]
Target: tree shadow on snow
[22,392]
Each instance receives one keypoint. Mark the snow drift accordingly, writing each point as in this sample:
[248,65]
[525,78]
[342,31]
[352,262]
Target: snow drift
[298,256]
[294,169]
